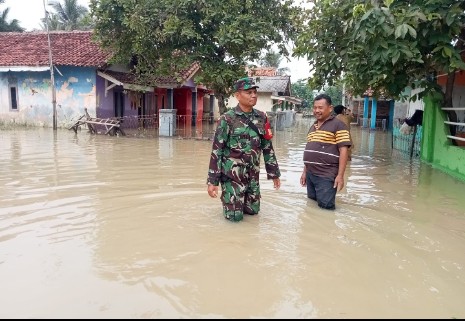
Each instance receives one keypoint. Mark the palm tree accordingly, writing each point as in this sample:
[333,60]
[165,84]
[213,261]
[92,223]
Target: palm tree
[68,15]
[53,22]
[273,59]
[6,26]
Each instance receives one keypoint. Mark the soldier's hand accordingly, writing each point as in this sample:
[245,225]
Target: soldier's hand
[276,183]
[212,190]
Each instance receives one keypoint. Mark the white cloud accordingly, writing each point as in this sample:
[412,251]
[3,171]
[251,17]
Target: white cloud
[299,68]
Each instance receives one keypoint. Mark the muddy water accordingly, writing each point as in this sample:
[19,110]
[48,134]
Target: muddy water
[117,227]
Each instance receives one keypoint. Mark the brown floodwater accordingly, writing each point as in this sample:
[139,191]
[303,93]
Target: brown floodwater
[122,227]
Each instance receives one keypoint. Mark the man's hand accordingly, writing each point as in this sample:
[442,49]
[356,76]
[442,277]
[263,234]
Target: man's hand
[212,190]
[303,179]
[339,182]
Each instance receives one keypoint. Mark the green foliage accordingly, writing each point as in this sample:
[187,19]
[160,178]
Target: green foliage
[5,24]
[335,92]
[271,58]
[166,36]
[301,90]
[386,45]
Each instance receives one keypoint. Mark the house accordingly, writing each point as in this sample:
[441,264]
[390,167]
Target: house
[121,94]
[274,91]
[25,77]
[83,78]
[372,112]
[438,148]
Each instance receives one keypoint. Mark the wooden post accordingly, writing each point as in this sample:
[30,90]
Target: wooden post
[413,141]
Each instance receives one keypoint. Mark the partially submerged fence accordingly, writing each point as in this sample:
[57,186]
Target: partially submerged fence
[408,143]
[380,124]
[186,126]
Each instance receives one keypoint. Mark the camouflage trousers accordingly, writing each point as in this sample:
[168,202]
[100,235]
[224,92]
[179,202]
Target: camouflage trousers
[240,197]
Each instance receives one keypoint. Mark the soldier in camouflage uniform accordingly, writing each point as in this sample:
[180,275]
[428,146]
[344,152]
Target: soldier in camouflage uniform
[240,139]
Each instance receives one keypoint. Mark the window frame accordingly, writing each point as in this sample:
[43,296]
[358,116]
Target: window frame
[12,87]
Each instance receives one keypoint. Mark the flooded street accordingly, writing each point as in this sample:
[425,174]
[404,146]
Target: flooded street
[120,227]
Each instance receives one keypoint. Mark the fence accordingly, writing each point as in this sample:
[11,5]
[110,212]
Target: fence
[187,126]
[380,124]
[409,144]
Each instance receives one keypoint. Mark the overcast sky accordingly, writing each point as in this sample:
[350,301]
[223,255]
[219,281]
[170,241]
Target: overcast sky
[29,13]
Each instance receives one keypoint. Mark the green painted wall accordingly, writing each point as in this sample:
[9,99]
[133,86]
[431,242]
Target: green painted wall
[436,148]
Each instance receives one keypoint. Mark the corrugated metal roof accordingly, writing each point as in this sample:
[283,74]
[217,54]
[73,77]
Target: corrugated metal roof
[276,84]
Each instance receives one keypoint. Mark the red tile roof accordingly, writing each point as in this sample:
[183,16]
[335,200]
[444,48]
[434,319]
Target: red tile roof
[164,81]
[262,71]
[71,48]
[184,75]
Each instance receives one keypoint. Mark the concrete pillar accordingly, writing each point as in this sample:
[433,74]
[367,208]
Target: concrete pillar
[374,107]
[169,97]
[288,119]
[366,102]
[167,122]
[391,114]
[280,118]
[194,108]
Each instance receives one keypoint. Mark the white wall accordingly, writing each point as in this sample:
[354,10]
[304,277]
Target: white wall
[458,100]
[405,109]
[414,105]
[264,102]
[75,90]
[4,97]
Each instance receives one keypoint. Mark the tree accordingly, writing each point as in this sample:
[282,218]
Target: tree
[386,45]
[335,92]
[68,15]
[8,26]
[302,90]
[164,37]
[273,59]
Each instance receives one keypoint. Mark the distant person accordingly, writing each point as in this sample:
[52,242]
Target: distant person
[242,135]
[325,155]
[350,114]
[342,114]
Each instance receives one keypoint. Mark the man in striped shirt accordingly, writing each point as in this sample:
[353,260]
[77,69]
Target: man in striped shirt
[325,155]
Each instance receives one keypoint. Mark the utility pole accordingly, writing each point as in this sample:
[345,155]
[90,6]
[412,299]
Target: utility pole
[52,77]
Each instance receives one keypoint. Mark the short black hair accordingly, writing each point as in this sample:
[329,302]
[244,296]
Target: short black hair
[339,109]
[323,96]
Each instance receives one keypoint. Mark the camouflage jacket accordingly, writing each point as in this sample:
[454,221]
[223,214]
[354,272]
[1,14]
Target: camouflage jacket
[237,147]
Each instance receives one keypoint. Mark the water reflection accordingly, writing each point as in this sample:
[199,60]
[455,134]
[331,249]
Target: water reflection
[99,226]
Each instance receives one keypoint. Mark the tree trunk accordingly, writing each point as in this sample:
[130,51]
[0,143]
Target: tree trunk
[221,103]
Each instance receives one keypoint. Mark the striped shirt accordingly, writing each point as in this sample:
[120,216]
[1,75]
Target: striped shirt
[321,155]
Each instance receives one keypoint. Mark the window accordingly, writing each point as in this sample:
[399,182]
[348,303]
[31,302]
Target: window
[118,104]
[13,98]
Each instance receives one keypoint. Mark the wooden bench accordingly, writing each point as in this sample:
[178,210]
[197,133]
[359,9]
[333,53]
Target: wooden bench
[112,125]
